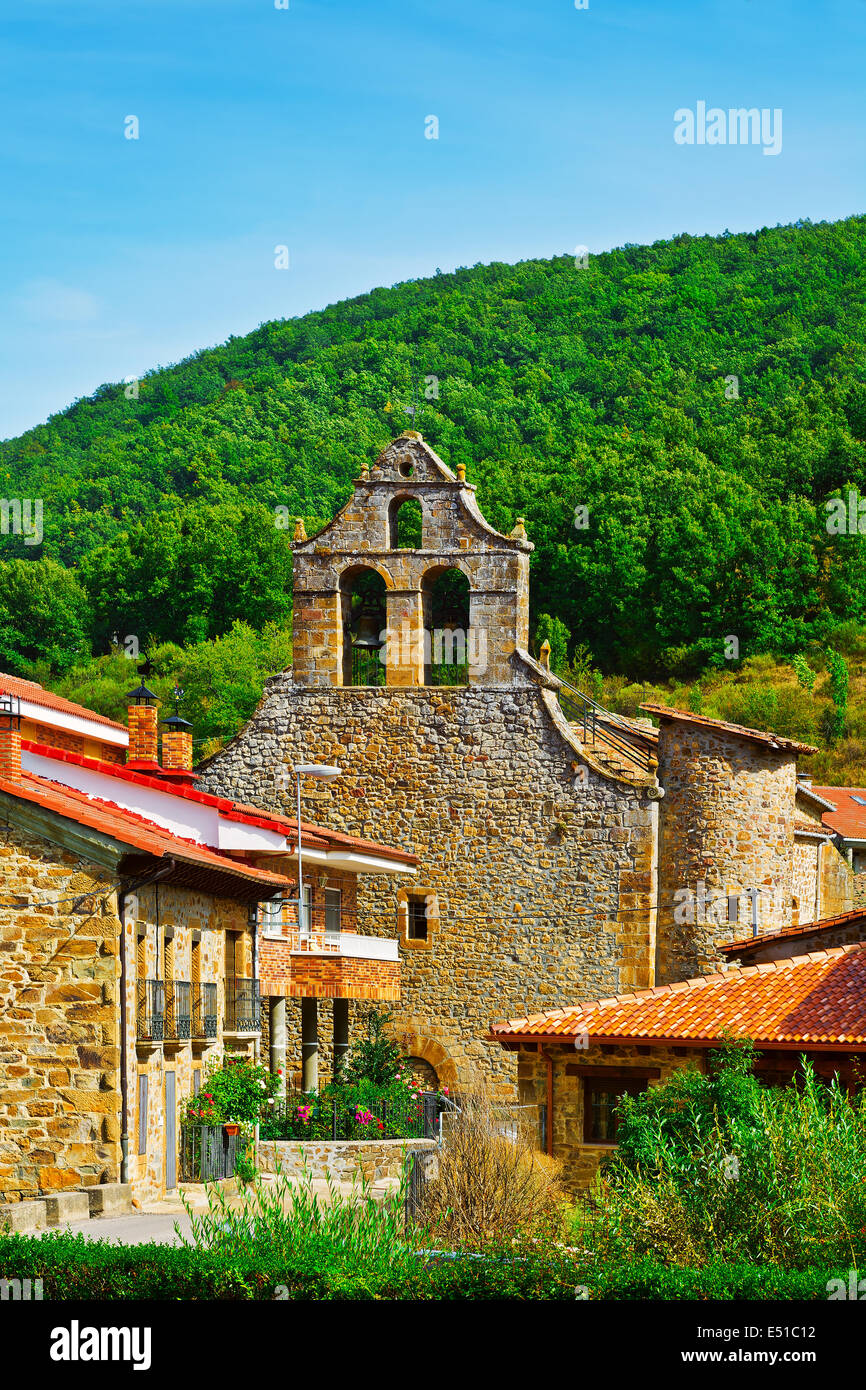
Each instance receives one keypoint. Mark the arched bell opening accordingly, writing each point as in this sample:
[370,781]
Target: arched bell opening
[445,597]
[364,611]
[405,524]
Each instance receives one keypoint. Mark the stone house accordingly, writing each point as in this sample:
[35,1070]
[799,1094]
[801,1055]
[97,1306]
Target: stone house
[798,991]
[564,852]
[141,921]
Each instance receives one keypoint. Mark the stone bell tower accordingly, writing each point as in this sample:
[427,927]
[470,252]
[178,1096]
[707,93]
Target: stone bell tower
[537,850]
[454,536]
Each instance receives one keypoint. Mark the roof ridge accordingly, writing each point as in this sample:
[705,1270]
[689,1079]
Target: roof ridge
[697,983]
[33,689]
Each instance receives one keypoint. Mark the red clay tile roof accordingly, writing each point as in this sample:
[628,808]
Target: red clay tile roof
[128,828]
[849,818]
[37,695]
[312,836]
[775,741]
[736,948]
[817,1000]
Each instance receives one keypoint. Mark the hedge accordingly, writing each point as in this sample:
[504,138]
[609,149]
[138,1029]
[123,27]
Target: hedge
[75,1268]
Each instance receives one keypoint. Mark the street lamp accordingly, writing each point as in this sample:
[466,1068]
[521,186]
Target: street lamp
[324,773]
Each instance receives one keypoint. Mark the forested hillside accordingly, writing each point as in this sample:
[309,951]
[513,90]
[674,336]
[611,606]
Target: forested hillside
[702,397]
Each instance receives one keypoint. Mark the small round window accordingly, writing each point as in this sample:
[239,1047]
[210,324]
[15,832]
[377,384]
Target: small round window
[407,468]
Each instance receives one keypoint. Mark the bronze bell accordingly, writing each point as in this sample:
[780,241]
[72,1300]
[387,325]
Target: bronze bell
[367,626]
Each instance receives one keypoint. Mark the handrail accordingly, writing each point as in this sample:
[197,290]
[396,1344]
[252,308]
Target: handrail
[593,718]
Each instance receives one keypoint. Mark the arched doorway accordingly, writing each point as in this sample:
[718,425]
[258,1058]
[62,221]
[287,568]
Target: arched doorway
[424,1077]
[445,596]
[364,611]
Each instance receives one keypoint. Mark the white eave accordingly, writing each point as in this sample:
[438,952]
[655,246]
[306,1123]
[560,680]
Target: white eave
[74,724]
[196,821]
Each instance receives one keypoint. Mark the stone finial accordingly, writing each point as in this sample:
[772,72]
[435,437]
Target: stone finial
[300,529]
[412,434]
[364,475]
[544,654]
[519,532]
[461,472]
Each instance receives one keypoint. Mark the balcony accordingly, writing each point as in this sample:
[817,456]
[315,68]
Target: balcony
[163,1011]
[316,954]
[175,1011]
[243,1011]
[204,1011]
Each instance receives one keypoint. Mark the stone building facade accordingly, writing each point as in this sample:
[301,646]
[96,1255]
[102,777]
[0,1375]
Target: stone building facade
[559,845]
[537,859]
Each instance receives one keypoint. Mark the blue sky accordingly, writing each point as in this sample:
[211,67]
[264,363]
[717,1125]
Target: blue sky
[304,127]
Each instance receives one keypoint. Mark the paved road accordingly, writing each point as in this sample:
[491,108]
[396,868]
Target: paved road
[137,1229]
[158,1224]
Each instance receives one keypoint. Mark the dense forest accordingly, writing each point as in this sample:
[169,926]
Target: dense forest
[697,401]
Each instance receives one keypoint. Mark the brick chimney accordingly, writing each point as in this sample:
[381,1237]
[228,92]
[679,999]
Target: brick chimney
[177,749]
[143,731]
[10,738]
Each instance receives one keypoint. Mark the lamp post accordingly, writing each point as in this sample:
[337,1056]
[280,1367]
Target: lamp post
[309,1007]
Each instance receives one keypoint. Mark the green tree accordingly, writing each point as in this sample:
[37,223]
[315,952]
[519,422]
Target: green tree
[374,1058]
[44,618]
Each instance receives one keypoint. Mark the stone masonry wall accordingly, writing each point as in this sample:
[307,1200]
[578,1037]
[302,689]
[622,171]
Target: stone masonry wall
[580,1160]
[543,880]
[727,821]
[342,1160]
[804,881]
[59,1054]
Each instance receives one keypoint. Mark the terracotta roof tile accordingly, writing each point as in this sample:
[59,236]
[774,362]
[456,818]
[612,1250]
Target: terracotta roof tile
[842,919]
[312,836]
[817,999]
[38,695]
[775,741]
[129,828]
[849,818]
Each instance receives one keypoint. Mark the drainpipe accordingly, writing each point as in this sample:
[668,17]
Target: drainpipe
[131,885]
[549,1060]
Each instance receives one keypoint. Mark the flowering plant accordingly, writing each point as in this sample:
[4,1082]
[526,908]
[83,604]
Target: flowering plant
[232,1092]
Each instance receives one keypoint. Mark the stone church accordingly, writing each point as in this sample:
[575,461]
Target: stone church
[566,853]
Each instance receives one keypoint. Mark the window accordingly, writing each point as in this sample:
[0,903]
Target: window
[417,925]
[271,916]
[600,1099]
[733,907]
[406,524]
[333,911]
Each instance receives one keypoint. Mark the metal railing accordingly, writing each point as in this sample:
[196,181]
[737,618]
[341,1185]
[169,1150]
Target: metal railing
[150,1010]
[306,1115]
[163,1010]
[598,726]
[243,1006]
[178,1018]
[204,1011]
[288,917]
[208,1153]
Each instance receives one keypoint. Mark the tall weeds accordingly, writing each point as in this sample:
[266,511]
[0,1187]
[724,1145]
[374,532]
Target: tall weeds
[779,1177]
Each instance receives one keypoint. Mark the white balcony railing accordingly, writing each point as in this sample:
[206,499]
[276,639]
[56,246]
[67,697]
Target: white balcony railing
[344,943]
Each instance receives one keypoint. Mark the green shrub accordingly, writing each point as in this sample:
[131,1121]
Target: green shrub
[75,1268]
[718,1166]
